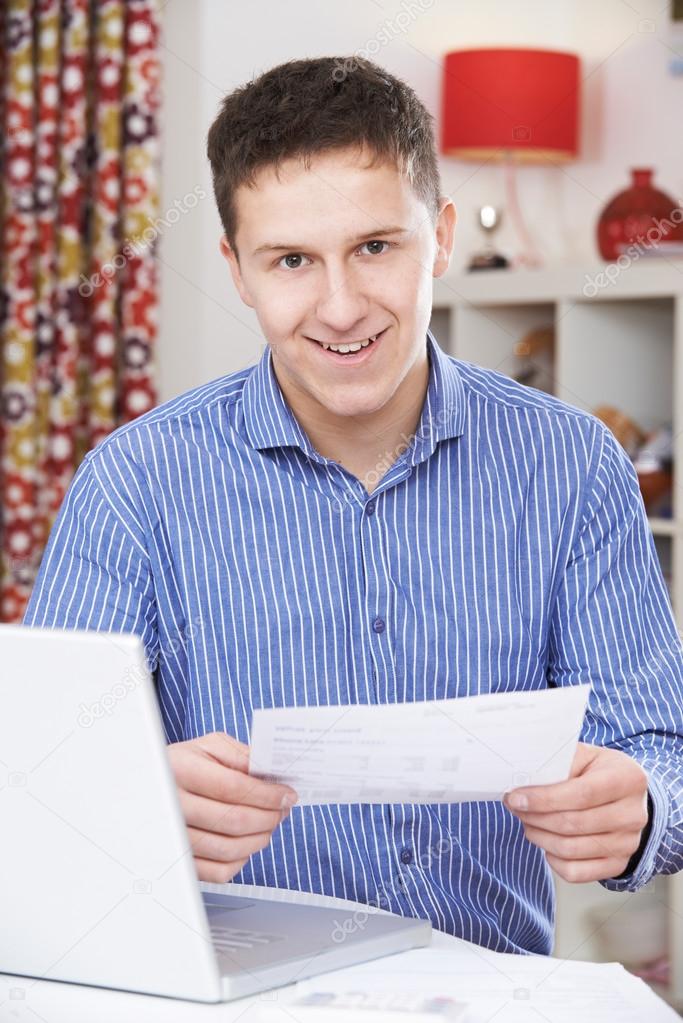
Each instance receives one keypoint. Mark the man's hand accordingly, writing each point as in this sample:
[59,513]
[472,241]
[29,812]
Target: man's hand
[591,824]
[229,814]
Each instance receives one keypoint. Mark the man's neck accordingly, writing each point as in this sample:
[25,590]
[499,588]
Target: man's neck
[366,446]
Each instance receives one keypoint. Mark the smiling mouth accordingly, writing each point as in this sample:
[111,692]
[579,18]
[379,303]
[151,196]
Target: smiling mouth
[349,347]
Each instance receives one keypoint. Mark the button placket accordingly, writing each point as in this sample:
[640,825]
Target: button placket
[405,849]
[376,605]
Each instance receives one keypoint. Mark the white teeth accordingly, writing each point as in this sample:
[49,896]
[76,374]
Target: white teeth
[354,346]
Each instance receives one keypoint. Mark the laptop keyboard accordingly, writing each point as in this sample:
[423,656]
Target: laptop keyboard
[230,938]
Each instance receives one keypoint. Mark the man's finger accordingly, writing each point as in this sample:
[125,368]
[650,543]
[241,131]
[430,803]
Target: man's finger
[205,778]
[266,795]
[225,749]
[599,788]
[227,819]
[584,847]
[618,816]
[581,871]
[218,873]
[210,846]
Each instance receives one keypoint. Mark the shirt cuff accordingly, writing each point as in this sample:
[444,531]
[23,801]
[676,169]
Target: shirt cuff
[640,868]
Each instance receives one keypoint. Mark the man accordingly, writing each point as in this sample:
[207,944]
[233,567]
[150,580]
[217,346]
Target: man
[360,518]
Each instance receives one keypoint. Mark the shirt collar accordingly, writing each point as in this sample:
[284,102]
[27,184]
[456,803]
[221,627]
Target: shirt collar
[443,412]
[270,423]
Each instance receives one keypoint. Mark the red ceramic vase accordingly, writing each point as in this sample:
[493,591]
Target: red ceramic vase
[630,215]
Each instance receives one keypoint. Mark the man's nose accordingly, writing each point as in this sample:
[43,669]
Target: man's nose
[342,305]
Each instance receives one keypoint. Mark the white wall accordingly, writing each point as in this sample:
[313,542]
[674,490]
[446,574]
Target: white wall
[631,117]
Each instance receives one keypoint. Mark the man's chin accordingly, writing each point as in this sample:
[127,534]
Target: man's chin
[352,406]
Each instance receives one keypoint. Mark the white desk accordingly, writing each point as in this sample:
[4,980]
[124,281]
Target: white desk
[508,979]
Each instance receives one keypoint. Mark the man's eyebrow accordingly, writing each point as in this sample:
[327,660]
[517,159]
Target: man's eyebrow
[377,233]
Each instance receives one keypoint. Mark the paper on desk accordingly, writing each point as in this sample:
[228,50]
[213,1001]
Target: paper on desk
[437,751]
[505,988]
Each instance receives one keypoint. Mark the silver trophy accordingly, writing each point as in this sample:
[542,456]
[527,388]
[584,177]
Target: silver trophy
[488,218]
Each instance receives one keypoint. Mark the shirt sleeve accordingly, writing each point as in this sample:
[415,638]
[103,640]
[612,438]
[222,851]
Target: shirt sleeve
[95,572]
[612,626]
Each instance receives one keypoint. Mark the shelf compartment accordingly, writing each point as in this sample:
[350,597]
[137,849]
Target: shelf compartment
[487,334]
[618,353]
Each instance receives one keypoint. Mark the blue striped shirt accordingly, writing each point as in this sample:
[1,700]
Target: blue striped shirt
[505,548]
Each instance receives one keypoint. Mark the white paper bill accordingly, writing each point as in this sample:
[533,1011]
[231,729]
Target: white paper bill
[437,751]
[503,988]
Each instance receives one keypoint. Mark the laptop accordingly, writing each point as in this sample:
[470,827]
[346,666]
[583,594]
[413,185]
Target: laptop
[97,879]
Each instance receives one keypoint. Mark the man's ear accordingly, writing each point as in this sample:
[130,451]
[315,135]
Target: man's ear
[231,256]
[445,233]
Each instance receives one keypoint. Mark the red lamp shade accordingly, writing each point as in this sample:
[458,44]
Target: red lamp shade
[522,103]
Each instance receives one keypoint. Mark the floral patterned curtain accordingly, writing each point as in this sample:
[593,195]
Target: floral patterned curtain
[79,100]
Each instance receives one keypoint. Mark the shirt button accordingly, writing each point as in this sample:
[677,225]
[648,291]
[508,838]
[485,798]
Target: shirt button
[406,856]
[378,625]
[370,508]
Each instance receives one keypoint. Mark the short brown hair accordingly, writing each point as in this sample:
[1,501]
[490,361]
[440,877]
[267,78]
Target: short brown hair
[305,107]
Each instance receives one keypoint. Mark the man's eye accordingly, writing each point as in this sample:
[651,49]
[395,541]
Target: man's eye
[290,256]
[375,241]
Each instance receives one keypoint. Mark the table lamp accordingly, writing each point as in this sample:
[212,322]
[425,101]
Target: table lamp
[511,106]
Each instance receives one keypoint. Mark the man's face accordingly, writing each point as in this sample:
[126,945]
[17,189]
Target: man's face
[339,254]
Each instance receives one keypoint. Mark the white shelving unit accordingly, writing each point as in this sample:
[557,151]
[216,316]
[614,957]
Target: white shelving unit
[621,345]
